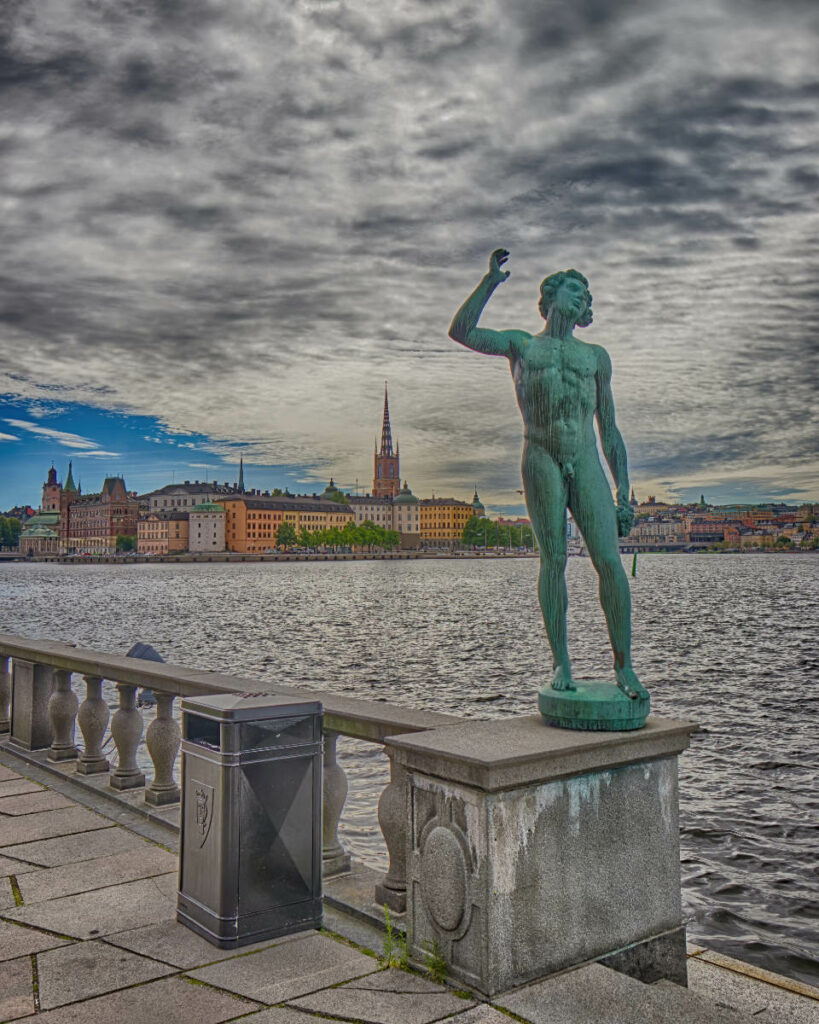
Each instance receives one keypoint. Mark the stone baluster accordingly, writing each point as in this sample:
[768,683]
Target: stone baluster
[62,711]
[5,694]
[126,728]
[162,739]
[392,817]
[93,718]
[31,687]
[334,858]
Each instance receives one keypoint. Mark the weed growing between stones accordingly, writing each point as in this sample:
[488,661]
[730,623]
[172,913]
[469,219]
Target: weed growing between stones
[435,963]
[395,945]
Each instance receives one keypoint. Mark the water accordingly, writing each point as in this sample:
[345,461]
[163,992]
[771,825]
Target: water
[729,641]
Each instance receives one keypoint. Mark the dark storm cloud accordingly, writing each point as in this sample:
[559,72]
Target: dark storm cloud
[242,217]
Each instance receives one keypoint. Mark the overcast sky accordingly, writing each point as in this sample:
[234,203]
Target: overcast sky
[228,223]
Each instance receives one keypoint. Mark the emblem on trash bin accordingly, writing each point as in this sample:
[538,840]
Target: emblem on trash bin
[204,809]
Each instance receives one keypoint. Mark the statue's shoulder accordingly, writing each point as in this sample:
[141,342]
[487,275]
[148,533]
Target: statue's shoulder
[602,359]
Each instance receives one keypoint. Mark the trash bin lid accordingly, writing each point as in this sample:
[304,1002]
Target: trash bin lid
[249,707]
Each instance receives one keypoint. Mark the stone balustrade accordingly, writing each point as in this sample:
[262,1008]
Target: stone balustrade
[528,849]
[37,679]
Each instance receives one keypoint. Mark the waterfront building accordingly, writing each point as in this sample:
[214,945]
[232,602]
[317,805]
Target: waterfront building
[162,533]
[92,522]
[252,519]
[400,513]
[442,521]
[378,511]
[188,494]
[387,473]
[658,531]
[39,539]
[406,517]
[40,533]
[206,531]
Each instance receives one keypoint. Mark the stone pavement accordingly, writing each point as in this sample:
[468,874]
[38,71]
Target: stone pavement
[88,935]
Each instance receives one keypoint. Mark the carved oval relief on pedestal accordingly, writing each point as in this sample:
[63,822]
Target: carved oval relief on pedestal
[444,878]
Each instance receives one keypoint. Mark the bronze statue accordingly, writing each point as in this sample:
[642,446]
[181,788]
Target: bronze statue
[562,383]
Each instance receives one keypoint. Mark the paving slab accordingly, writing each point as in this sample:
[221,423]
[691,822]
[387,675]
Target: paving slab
[7,898]
[171,1000]
[33,803]
[393,980]
[288,970]
[766,1003]
[52,883]
[760,974]
[30,827]
[89,915]
[86,969]
[389,997]
[284,1015]
[174,944]
[13,787]
[17,990]
[599,995]
[12,866]
[481,1015]
[17,940]
[102,842]
[6,774]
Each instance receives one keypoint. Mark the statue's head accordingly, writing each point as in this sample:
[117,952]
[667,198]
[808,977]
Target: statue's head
[569,291]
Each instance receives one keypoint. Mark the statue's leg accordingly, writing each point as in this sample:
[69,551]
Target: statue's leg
[545,491]
[593,509]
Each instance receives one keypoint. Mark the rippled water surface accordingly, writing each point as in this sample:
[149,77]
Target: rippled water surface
[727,640]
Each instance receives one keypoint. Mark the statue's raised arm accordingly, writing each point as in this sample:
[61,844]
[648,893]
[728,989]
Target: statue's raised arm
[464,327]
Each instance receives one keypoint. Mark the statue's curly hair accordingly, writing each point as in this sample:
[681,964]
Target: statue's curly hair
[549,287]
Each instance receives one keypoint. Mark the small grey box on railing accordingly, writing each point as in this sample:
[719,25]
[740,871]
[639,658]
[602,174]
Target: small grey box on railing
[250,864]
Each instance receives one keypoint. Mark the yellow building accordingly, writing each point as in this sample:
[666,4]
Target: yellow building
[443,521]
[162,533]
[252,521]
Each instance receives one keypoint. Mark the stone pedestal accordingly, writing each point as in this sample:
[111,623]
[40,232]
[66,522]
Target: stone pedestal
[31,689]
[533,849]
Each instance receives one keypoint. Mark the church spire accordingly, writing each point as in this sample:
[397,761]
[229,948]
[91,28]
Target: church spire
[241,475]
[386,433]
[69,480]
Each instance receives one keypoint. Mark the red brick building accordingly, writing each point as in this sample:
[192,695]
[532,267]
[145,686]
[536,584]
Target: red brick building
[92,522]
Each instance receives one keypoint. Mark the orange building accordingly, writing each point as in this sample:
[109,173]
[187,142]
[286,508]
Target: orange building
[162,533]
[443,521]
[252,520]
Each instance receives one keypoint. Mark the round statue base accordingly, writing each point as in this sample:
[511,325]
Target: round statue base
[593,706]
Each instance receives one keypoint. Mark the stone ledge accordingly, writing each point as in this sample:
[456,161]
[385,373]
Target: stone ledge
[507,753]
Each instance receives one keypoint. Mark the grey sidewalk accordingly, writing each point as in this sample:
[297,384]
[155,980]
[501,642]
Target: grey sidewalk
[88,934]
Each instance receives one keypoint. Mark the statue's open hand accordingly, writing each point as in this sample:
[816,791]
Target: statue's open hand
[496,262]
[625,518]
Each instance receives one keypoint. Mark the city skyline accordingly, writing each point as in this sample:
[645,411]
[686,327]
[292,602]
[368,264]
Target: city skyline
[224,227]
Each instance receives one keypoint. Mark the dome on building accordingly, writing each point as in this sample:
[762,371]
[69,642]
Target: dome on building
[330,489]
[208,506]
[477,504]
[405,496]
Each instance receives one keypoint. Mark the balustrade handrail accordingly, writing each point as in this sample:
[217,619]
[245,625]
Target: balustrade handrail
[354,717]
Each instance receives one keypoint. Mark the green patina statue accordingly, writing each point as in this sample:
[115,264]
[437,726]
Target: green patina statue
[562,383]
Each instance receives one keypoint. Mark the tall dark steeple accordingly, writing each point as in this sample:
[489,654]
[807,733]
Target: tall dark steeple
[386,432]
[387,476]
[241,486]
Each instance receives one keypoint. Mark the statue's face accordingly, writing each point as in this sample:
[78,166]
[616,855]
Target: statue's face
[571,298]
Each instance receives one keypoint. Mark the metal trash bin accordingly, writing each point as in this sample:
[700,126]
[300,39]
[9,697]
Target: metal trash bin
[250,864]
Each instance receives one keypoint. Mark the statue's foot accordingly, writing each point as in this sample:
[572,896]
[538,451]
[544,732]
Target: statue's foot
[628,682]
[562,679]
